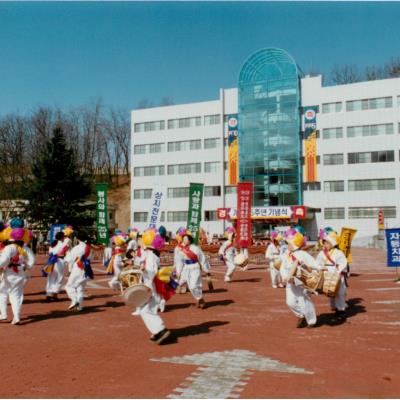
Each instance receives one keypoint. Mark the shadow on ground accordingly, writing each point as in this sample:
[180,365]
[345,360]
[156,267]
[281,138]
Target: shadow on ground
[192,330]
[331,319]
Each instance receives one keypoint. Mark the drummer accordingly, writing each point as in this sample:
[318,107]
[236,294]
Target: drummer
[153,243]
[133,236]
[272,254]
[227,252]
[178,258]
[332,259]
[297,297]
[116,263]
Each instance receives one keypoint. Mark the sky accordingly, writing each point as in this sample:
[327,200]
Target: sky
[67,54]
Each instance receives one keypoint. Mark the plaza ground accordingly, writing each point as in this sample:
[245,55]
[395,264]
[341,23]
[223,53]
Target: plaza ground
[105,352]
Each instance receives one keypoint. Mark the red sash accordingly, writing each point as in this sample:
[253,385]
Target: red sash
[79,260]
[14,263]
[227,248]
[189,254]
[63,251]
[329,258]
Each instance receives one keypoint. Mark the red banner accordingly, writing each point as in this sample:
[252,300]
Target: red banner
[244,196]
[222,213]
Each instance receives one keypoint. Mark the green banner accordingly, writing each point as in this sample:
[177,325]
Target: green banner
[101,214]
[194,214]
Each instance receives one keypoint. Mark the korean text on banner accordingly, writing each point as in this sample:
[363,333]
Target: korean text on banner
[233,149]
[346,237]
[310,143]
[244,201]
[393,247]
[194,213]
[54,229]
[157,197]
[101,214]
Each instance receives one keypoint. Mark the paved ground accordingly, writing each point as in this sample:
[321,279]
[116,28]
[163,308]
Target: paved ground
[244,344]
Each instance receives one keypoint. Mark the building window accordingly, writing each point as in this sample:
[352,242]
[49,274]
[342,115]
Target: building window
[334,213]
[210,215]
[180,169]
[139,149]
[211,143]
[369,104]
[332,133]
[230,190]
[178,192]
[334,186]
[212,166]
[369,130]
[142,193]
[312,186]
[152,170]
[333,159]
[212,119]
[370,157]
[149,126]
[212,191]
[184,122]
[372,184]
[372,212]
[185,145]
[331,107]
[140,216]
[156,147]
[177,216]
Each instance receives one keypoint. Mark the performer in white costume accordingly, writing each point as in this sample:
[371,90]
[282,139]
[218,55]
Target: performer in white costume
[333,260]
[116,264]
[273,256]
[153,243]
[81,271]
[193,262]
[297,296]
[227,252]
[15,259]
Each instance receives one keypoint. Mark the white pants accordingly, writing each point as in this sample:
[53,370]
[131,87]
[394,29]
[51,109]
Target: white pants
[191,274]
[299,301]
[149,315]
[55,278]
[12,287]
[275,275]
[230,268]
[75,286]
[339,301]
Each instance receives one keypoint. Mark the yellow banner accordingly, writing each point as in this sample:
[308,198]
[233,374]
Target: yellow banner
[310,159]
[346,237]
[233,162]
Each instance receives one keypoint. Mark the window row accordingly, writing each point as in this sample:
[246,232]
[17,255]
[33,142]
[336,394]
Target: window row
[177,169]
[359,212]
[359,131]
[356,185]
[174,216]
[359,157]
[177,123]
[180,192]
[184,145]
[359,105]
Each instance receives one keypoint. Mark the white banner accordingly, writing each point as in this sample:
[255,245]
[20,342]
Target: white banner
[157,198]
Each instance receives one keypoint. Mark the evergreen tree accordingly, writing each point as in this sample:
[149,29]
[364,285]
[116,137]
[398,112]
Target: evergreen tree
[57,190]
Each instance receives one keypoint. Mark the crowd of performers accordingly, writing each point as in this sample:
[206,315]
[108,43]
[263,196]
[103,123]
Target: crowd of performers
[286,255]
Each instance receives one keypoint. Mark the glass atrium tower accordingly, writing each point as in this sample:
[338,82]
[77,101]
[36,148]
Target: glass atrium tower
[269,128]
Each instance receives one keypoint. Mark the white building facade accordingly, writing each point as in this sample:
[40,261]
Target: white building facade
[358,170]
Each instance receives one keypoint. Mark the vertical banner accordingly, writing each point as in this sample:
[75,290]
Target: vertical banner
[244,202]
[345,239]
[233,149]
[310,143]
[101,214]
[157,197]
[194,213]
[393,247]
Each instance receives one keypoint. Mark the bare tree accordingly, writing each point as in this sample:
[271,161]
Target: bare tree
[392,68]
[344,74]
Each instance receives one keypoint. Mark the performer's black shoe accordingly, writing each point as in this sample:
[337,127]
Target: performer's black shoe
[201,303]
[301,323]
[160,336]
